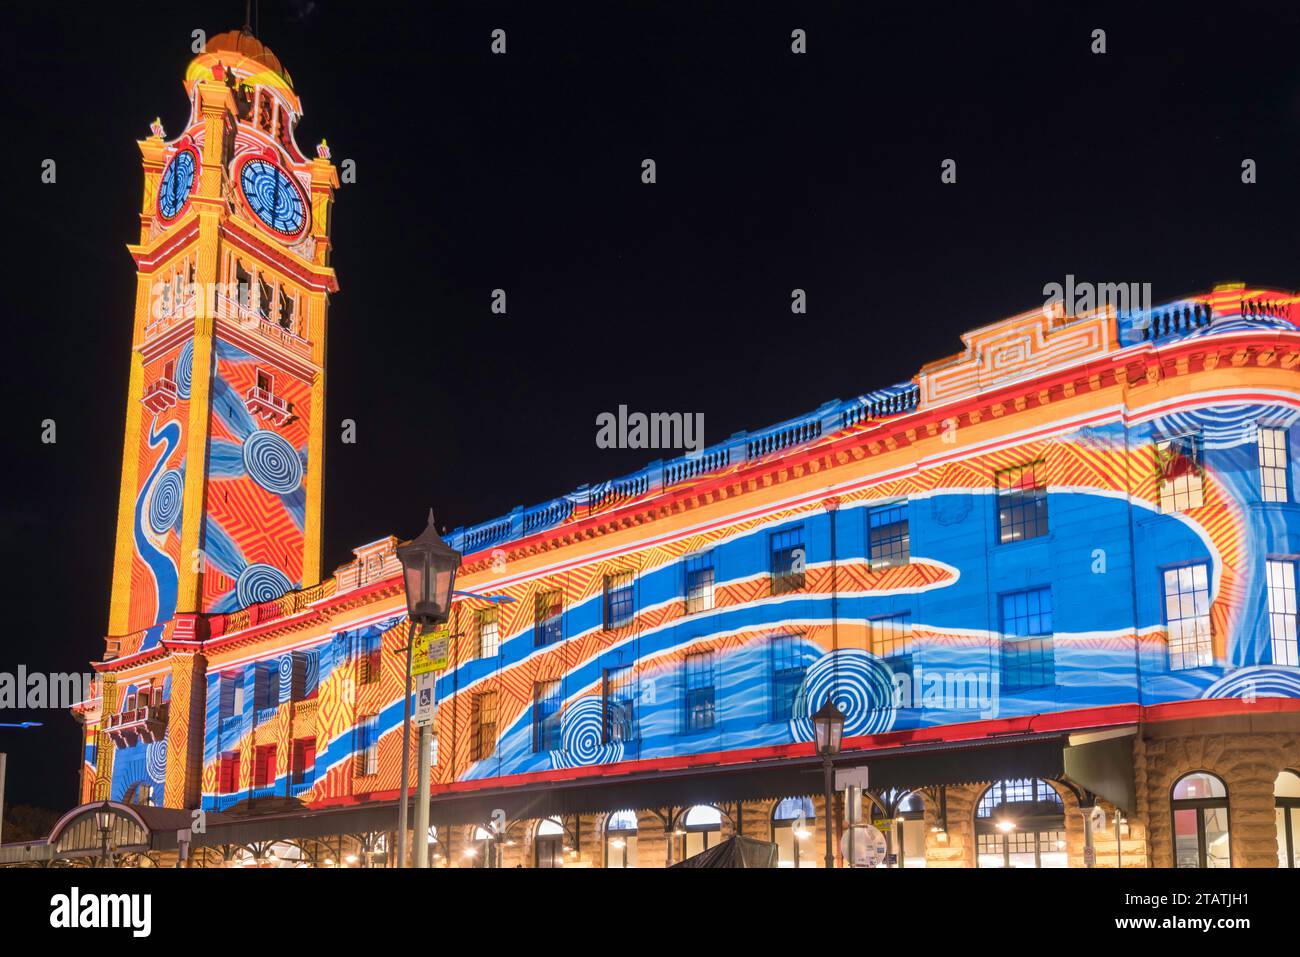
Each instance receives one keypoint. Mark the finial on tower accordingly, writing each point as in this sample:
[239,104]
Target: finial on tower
[323,149]
[156,127]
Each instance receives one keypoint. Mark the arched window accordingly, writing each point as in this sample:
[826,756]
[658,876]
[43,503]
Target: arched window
[700,829]
[1020,823]
[620,839]
[793,821]
[1199,805]
[549,843]
[481,850]
[911,831]
[1286,794]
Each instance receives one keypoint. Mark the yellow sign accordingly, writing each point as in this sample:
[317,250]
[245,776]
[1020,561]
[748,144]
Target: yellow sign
[430,651]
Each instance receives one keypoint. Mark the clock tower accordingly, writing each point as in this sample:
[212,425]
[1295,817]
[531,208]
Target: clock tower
[222,464]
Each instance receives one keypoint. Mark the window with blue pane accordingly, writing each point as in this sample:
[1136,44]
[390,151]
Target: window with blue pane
[547,696]
[266,685]
[700,692]
[891,641]
[619,700]
[1022,503]
[620,603]
[548,618]
[788,560]
[887,536]
[787,675]
[699,582]
[1028,655]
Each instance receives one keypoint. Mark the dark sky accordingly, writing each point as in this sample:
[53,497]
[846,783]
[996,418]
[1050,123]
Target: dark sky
[522,172]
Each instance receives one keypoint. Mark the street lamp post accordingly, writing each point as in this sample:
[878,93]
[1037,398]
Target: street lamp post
[828,727]
[429,571]
[104,821]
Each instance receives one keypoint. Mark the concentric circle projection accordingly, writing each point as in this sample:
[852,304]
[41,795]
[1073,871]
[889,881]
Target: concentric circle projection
[155,761]
[260,582]
[272,462]
[582,736]
[860,684]
[185,369]
[165,503]
[272,196]
[286,677]
[1257,681]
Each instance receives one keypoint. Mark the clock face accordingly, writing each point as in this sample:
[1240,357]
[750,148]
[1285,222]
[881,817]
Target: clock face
[176,184]
[273,197]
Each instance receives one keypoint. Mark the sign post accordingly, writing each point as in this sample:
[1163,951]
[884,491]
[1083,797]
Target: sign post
[430,652]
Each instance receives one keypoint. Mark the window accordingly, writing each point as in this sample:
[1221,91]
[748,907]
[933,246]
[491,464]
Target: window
[1020,823]
[619,699]
[304,760]
[891,636]
[484,741]
[367,745]
[1187,616]
[547,698]
[488,639]
[699,582]
[305,668]
[788,560]
[619,601]
[264,765]
[911,832]
[1028,655]
[1200,811]
[701,829]
[1286,797]
[699,692]
[787,675]
[1282,611]
[265,381]
[549,843]
[266,692]
[482,848]
[548,618]
[228,773]
[1022,503]
[1178,470]
[620,839]
[243,286]
[264,294]
[1274,461]
[888,540]
[793,821]
[369,657]
[286,310]
[232,695]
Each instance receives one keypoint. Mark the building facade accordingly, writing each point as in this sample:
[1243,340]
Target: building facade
[1051,581]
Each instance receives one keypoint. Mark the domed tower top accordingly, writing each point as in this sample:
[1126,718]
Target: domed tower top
[244,44]
[241,60]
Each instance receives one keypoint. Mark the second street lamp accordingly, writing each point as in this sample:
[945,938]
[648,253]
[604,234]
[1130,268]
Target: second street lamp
[429,568]
[828,729]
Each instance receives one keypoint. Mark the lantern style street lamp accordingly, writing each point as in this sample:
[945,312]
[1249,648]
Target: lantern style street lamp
[429,568]
[104,821]
[828,731]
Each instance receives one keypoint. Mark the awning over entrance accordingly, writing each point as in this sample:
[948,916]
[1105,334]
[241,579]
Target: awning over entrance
[903,768]
[132,829]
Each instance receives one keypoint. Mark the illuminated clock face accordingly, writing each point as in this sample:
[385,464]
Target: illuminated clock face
[272,197]
[176,184]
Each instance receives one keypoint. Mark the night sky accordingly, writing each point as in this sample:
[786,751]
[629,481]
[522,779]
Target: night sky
[523,172]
